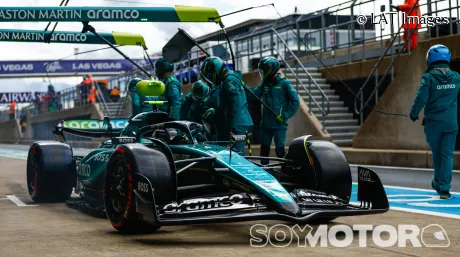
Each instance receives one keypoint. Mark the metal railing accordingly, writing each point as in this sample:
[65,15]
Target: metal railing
[303,26]
[101,98]
[378,82]
[325,99]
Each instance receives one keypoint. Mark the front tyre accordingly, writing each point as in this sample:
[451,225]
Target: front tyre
[322,167]
[119,197]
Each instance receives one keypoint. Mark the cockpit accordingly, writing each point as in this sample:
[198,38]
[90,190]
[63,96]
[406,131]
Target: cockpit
[158,125]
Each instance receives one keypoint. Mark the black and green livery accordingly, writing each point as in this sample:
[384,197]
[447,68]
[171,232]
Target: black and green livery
[155,172]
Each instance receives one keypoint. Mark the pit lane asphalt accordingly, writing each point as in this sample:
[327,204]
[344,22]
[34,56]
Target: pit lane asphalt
[390,176]
[57,230]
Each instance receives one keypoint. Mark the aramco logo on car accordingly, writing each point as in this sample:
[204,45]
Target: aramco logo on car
[94,124]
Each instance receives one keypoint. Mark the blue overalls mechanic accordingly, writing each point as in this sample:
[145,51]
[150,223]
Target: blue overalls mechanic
[173,94]
[438,94]
[279,94]
[230,106]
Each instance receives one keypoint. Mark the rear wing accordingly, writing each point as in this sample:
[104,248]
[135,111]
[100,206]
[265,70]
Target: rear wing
[92,128]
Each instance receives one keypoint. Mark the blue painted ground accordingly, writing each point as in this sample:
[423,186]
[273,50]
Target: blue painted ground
[419,201]
[13,153]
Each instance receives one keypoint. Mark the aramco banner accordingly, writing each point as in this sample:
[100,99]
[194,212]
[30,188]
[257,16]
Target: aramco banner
[19,97]
[63,68]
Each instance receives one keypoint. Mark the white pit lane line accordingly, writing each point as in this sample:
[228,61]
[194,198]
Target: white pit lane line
[18,202]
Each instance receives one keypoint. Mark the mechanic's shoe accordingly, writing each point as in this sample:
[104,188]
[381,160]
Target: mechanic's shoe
[264,152]
[435,187]
[280,152]
[445,195]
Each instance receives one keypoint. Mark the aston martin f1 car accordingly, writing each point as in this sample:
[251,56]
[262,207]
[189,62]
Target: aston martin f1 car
[155,172]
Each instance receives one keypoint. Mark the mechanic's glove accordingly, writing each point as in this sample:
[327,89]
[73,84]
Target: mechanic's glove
[413,118]
[280,119]
[209,114]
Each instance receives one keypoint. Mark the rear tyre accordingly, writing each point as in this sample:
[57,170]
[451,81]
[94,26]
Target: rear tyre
[119,196]
[323,167]
[51,172]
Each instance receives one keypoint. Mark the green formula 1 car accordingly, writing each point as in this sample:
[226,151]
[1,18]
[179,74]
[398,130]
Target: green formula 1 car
[166,173]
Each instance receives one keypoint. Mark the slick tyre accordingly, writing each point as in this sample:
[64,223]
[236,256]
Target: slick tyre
[120,182]
[51,172]
[323,167]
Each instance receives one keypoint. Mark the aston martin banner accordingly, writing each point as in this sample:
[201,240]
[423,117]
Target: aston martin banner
[70,37]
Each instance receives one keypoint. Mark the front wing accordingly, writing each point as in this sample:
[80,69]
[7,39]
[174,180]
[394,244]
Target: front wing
[247,206]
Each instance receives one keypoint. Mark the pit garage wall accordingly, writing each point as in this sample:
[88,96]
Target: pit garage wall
[381,131]
[40,127]
[10,129]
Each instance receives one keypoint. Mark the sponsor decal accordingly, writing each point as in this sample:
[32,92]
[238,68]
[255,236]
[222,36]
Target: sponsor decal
[125,140]
[116,14]
[101,157]
[113,14]
[97,66]
[32,68]
[40,14]
[364,175]
[53,66]
[204,204]
[450,86]
[19,97]
[40,36]
[17,67]
[143,187]
[308,196]
[94,124]
[84,170]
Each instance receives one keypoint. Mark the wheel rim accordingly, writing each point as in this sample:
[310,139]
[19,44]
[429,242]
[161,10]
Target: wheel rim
[118,189]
